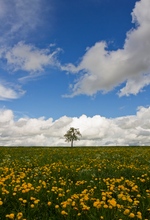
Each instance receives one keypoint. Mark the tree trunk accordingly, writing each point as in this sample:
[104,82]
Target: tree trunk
[72,143]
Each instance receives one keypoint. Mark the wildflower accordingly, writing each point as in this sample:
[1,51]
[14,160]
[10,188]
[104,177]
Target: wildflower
[73,203]
[10,216]
[64,213]
[85,208]
[131,215]
[19,215]
[136,202]
[113,202]
[104,198]
[126,212]
[32,205]
[36,201]
[64,204]
[24,201]
[105,206]
[139,215]
[1,203]
[130,200]
[124,198]
[49,203]
[97,204]
[56,206]
[120,196]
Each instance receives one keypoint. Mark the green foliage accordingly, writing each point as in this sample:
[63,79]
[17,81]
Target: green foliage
[72,135]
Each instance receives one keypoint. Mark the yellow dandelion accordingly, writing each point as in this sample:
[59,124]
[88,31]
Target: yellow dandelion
[36,201]
[131,215]
[139,215]
[32,205]
[104,198]
[64,213]
[85,208]
[10,216]
[105,206]
[126,211]
[113,202]
[49,203]
[56,206]
[24,201]
[97,204]
[19,215]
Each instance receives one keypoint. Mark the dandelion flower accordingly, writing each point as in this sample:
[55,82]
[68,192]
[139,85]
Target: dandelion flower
[19,215]
[32,205]
[49,203]
[131,215]
[126,212]
[10,216]
[64,213]
[56,206]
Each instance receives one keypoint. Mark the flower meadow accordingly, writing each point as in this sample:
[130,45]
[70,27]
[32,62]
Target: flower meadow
[109,183]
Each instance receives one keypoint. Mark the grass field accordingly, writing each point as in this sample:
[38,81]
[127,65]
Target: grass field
[75,183]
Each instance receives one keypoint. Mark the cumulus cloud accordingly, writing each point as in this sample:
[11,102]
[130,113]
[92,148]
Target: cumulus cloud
[96,130]
[29,58]
[103,70]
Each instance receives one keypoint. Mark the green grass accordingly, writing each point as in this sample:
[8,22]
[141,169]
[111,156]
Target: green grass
[85,183]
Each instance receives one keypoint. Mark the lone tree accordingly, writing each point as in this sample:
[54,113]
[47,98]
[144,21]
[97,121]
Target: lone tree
[72,135]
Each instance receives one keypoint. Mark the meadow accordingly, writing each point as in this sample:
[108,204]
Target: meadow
[111,183]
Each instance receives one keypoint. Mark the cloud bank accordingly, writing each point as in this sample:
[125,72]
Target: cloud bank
[96,130]
[103,70]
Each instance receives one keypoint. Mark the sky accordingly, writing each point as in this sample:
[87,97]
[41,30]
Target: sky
[82,64]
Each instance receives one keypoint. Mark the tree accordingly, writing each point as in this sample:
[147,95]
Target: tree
[72,135]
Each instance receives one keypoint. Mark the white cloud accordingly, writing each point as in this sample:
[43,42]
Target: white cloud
[96,130]
[7,92]
[19,20]
[103,70]
[29,58]
[134,86]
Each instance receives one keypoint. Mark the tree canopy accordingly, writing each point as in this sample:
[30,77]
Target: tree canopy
[72,135]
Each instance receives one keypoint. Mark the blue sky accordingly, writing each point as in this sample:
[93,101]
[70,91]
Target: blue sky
[71,60]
